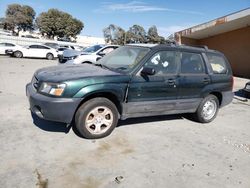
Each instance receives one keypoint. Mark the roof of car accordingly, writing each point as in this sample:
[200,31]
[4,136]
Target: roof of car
[157,46]
[143,45]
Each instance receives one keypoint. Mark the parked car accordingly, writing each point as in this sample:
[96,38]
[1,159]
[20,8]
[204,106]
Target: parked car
[30,36]
[133,81]
[77,48]
[36,50]
[52,45]
[88,55]
[6,46]
[61,50]
[65,39]
[246,90]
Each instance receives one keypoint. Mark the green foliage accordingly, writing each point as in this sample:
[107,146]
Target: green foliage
[153,36]
[19,17]
[114,34]
[136,34]
[57,23]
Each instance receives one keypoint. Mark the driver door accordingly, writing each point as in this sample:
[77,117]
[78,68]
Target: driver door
[155,93]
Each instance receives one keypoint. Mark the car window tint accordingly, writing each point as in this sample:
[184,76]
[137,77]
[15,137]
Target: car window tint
[217,63]
[191,63]
[163,62]
[9,44]
[42,47]
[33,46]
[108,50]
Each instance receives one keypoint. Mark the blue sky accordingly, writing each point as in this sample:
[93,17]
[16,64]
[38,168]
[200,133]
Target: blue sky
[168,15]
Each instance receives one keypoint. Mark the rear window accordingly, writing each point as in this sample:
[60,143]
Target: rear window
[191,63]
[217,63]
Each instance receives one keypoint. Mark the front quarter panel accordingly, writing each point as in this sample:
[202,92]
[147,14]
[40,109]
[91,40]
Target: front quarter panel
[116,89]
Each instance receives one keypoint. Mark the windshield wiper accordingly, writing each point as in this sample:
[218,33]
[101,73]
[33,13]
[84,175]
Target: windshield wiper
[121,68]
[102,66]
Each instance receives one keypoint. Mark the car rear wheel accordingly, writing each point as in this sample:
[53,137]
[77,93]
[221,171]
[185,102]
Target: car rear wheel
[18,54]
[208,109]
[50,56]
[96,118]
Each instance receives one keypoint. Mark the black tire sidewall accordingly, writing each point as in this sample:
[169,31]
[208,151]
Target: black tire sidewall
[199,115]
[84,110]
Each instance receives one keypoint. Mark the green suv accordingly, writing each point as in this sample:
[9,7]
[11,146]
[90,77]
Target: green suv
[133,81]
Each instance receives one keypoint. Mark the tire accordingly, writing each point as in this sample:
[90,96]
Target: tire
[96,118]
[18,54]
[86,62]
[208,109]
[50,56]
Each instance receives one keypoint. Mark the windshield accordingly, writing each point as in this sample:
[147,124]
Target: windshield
[92,49]
[125,58]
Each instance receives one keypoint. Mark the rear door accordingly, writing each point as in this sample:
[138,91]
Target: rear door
[42,51]
[193,79]
[32,51]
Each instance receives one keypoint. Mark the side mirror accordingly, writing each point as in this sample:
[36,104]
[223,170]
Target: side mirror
[148,71]
[101,54]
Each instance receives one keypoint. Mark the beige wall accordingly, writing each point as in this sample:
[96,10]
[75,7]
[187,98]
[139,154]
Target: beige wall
[234,44]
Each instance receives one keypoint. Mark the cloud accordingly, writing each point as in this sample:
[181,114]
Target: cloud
[167,31]
[137,7]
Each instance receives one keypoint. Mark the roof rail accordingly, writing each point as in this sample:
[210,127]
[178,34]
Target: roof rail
[198,46]
[171,42]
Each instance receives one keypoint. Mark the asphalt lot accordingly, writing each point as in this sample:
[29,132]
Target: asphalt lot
[166,151]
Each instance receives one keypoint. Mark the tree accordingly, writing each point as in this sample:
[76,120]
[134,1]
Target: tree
[114,34]
[136,34]
[57,23]
[19,17]
[153,36]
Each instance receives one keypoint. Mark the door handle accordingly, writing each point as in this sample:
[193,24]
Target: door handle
[205,80]
[171,82]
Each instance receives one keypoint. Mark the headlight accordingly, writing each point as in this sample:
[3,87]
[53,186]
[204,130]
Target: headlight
[55,89]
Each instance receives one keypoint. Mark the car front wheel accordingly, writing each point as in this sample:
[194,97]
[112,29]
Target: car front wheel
[18,54]
[96,118]
[50,56]
[207,109]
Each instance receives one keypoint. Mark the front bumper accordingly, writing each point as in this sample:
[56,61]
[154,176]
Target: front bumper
[51,108]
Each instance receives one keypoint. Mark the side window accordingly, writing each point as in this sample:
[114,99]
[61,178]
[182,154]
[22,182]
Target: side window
[9,44]
[163,62]
[42,47]
[217,63]
[33,46]
[191,63]
[108,50]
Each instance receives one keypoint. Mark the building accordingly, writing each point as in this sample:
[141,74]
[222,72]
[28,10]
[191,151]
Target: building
[229,34]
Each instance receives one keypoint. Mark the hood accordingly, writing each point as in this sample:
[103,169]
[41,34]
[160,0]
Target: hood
[71,72]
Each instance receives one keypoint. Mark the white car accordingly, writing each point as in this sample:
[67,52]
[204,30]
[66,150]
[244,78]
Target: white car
[88,55]
[6,46]
[36,50]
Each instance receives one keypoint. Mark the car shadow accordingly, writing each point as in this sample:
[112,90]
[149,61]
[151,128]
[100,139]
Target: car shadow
[50,126]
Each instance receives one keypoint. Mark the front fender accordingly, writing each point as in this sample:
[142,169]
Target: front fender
[118,90]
